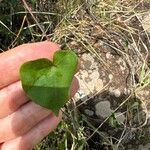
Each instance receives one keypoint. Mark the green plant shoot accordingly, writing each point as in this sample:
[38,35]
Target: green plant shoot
[46,82]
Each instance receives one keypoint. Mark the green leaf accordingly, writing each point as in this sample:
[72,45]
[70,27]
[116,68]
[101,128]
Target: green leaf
[47,83]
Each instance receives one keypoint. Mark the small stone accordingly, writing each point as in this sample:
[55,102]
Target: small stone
[80,95]
[98,85]
[125,91]
[89,112]
[108,55]
[103,109]
[110,76]
[116,92]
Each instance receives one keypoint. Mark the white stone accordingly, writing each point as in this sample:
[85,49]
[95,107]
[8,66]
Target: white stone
[111,90]
[117,92]
[103,109]
[108,55]
[110,76]
[98,85]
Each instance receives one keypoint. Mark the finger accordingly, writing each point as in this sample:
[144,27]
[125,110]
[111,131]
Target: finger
[21,121]
[34,136]
[13,59]
[13,97]
[74,86]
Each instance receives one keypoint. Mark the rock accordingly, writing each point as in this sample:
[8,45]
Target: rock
[103,109]
[107,80]
[102,92]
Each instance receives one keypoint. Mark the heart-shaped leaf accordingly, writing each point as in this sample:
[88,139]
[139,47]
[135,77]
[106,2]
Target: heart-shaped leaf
[47,83]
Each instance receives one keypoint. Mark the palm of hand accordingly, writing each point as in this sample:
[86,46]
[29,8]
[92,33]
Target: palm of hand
[22,122]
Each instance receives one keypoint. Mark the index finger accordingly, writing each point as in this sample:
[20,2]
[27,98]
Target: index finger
[11,60]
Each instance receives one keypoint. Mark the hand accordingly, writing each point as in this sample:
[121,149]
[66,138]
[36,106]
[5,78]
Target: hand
[23,123]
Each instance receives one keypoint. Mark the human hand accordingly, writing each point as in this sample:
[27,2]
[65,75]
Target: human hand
[23,123]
